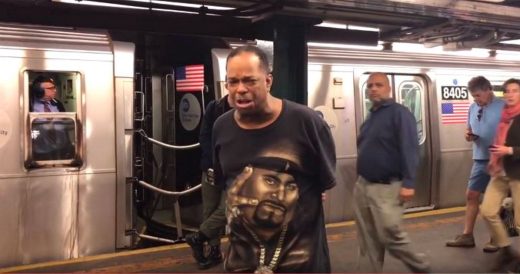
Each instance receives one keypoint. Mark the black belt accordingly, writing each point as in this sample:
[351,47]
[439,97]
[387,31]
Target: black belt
[385,181]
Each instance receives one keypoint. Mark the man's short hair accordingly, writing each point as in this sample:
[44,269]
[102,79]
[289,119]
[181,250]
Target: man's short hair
[36,89]
[262,56]
[510,81]
[479,83]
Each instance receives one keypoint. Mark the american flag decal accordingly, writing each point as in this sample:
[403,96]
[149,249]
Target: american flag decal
[454,112]
[189,78]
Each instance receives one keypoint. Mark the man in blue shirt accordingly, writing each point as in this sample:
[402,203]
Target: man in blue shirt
[50,138]
[388,156]
[483,117]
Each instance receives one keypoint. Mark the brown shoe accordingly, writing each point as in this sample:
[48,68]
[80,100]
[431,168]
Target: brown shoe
[490,247]
[463,240]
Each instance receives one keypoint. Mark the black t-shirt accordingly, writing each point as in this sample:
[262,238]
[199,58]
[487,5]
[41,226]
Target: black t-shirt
[279,205]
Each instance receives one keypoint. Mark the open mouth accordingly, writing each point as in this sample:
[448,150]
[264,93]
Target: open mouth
[243,103]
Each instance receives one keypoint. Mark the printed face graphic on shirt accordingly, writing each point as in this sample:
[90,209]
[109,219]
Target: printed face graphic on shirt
[265,195]
[277,194]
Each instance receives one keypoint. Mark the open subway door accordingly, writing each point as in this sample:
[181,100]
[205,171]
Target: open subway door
[189,102]
[411,91]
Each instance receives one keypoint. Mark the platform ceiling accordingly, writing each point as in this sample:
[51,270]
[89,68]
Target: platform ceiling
[454,24]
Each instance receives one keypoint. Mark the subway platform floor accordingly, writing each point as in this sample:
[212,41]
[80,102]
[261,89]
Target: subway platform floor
[428,230]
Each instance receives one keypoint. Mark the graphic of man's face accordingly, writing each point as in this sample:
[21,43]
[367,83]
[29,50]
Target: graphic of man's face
[277,194]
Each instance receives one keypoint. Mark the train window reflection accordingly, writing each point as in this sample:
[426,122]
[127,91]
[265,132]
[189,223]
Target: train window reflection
[410,93]
[53,139]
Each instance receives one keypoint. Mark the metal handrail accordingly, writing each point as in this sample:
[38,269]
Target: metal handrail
[141,131]
[167,192]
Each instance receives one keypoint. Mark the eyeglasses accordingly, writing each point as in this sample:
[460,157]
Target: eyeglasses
[479,114]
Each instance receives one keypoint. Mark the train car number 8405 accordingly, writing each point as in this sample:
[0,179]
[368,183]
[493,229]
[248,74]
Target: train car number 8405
[454,93]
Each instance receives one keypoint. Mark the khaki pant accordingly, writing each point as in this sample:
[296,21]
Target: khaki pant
[378,215]
[497,189]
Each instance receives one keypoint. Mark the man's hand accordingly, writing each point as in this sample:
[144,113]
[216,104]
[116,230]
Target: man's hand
[233,199]
[501,150]
[470,137]
[406,194]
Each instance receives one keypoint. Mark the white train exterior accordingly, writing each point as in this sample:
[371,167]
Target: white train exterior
[69,211]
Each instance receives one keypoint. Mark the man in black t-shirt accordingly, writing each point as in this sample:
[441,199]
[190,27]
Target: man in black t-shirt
[276,158]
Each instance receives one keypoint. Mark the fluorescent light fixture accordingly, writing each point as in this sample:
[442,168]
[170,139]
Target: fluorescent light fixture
[333,25]
[129,6]
[354,27]
[343,46]
[420,48]
[92,3]
[508,55]
[190,5]
[326,24]
[511,42]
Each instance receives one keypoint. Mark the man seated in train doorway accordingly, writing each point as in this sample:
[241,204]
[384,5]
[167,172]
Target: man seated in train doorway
[213,224]
[388,157]
[261,125]
[483,119]
[49,136]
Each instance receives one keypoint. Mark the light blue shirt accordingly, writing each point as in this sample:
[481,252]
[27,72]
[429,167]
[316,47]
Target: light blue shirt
[486,128]
[38,106]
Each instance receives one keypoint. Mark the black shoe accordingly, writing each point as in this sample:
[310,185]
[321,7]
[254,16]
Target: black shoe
[196,242]
[214,258]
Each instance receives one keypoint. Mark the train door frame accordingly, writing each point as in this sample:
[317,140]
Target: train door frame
[424,198]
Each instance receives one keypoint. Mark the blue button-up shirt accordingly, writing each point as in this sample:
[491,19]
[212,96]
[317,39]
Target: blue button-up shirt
[39,106]
[388,145]
[486,128]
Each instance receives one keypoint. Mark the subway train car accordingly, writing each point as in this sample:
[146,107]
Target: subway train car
[83,203]
[69,205]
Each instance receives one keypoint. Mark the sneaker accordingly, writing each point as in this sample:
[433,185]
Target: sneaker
[490,247]
[463,240]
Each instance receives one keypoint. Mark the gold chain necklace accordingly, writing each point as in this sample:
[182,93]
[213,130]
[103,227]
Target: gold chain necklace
[268,269]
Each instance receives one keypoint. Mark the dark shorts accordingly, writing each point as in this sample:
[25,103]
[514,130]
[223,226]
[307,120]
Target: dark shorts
[479,177]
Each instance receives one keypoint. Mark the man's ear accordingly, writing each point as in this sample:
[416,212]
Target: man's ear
[269,81]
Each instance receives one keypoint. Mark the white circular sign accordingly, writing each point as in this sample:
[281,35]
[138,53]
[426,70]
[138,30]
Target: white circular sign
[6,129]
[329,116]
[189,112]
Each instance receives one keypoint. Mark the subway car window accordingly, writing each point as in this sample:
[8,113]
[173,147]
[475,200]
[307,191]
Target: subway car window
[498,90]
[53,133]
[411,97]
[53,139]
